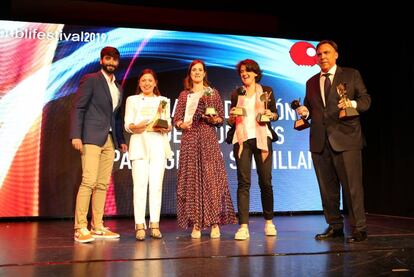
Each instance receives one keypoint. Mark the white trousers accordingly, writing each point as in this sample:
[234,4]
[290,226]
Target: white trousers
[149,173]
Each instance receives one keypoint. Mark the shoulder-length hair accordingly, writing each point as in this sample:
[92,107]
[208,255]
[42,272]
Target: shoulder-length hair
[152,72]
[188,82]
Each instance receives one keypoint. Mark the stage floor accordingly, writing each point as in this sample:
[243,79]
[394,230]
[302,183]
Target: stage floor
[46,248]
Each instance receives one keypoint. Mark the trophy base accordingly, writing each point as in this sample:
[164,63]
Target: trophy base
[348,113]
[238,111]
[160,123]
[301,124]
[262,118]
[210,111]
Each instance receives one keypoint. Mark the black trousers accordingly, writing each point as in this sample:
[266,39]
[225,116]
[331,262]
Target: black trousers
[264,172]
[333,170]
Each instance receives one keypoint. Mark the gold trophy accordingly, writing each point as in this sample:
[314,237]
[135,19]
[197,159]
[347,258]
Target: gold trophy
[160,122]
[348,112]
[239,111]
[263,118]
[300,122]
[210,110]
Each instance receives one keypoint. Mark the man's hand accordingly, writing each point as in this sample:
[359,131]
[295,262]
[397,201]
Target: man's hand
[77,144]
[303,111]
[124,148]
[344,103]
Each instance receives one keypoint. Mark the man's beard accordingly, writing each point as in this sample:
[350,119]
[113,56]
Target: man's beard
[108,68]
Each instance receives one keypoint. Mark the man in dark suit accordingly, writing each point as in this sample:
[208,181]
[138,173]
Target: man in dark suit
[336,144]
[96,129]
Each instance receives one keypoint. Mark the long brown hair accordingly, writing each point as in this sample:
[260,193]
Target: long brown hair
[152,72]
[188,83]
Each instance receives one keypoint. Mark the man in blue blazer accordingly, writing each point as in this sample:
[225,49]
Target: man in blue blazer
[336,144]
[96,129]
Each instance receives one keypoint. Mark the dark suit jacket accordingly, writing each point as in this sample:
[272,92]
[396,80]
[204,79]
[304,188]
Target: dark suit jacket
[93,114]
[343,135]
[271,106]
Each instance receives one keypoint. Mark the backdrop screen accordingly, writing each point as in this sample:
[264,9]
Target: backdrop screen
[41,66]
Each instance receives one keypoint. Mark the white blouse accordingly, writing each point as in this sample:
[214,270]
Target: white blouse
[139,108]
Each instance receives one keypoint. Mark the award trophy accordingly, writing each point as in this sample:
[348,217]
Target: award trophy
[160,122]
[348,112]
[239,111]
[210,110]
[263,118]
[300,123]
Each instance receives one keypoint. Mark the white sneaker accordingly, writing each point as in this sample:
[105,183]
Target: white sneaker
[242,234]
[270,229]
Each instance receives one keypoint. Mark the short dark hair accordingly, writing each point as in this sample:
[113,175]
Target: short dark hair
[330,42]
[110,51]
[251,66]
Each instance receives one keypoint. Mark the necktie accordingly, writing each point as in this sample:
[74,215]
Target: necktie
[327,86]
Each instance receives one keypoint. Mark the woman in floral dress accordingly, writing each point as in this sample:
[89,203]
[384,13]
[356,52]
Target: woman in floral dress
[203,197]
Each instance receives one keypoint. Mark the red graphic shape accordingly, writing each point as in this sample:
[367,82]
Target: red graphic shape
[303,53]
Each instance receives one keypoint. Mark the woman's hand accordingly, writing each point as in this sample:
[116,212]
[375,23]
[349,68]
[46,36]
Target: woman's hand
[270,114]
[212,119]
[162,130]
[184,125]
[140,127]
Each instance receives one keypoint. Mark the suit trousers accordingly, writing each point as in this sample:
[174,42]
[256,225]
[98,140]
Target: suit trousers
[97,163]
[334,169]
[264,172]
[149,173]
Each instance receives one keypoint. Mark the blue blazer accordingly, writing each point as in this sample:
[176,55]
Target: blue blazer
[93,114]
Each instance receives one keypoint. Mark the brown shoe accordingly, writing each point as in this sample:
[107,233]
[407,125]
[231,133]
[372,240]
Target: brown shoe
[155,230]
[83,235]
[140,232]
[104,233]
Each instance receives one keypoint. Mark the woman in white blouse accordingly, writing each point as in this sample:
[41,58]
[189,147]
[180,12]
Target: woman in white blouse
[148,149]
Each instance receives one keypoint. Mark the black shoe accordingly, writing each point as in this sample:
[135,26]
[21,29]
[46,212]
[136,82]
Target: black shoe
[357,236]
[330,233]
